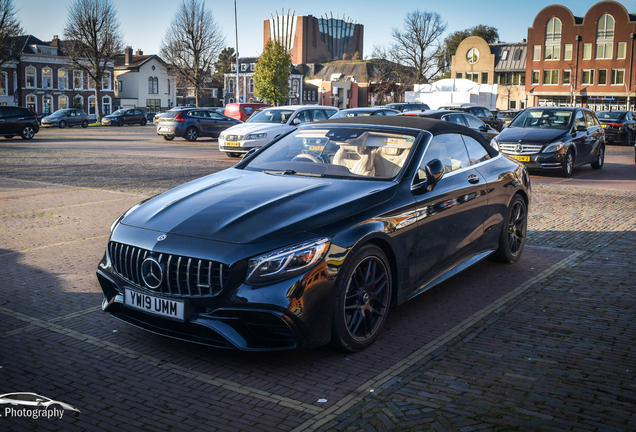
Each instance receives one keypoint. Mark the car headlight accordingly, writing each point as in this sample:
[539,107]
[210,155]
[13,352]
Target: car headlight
[556,146]
[286,262]
[256,136]
[494,144]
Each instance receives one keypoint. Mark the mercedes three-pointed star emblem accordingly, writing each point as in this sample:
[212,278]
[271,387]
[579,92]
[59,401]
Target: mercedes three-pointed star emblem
[152,273]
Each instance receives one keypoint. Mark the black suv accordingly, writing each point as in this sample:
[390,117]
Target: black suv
[18,121]
[408,106]
[554,138]
[125,116]
[481,113]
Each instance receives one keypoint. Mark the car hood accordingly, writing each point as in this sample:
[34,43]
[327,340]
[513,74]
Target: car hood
[248,128]
[239,206]
[52,117]
[111,116]
[530,135]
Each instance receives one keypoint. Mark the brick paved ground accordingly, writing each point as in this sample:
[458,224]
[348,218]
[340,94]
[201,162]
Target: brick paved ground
[545,344]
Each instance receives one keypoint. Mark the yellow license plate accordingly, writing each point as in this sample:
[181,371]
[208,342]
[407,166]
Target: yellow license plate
[232,144]
[316,148]
[521,158]
[603,125]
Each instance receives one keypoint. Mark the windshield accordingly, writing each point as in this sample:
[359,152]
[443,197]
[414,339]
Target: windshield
[341,152]
[60,113]
[118,113]
[609,115]
[341,114]
[549,118]
[271,116]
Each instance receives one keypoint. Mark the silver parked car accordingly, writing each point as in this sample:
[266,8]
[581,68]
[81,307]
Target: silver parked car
[66,117]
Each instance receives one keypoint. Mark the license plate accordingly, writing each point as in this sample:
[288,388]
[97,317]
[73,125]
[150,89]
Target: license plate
[164,129]
[232,144]
[154,305]
[603,126]
[316,148]
[521,158]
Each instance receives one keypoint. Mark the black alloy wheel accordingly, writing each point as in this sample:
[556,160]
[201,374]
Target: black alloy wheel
[568,165]
[513,232]
[363,297]
[143,122]
[168,138]
[62,124]
[191,134]
[120,122]
[28,132]
[600,158]
[85,124]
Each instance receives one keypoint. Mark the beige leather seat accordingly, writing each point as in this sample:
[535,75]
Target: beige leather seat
[358,159]
[389,161]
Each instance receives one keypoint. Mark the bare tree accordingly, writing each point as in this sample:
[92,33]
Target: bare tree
[9,29]
[93,39]
[417,46]
[192,44]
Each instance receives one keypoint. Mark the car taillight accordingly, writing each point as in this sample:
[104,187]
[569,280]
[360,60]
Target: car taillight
[615,124]
[178,117]
[32,117]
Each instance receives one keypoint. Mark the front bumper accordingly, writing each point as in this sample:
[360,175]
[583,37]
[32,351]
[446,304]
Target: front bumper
[243,145]
[291,314]
[541,161]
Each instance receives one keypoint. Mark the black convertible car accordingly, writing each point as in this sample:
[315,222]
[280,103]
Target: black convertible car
[311,239]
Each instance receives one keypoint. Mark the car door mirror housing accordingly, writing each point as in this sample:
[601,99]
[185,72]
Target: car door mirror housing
[295,121]
[434,173]
[581,128]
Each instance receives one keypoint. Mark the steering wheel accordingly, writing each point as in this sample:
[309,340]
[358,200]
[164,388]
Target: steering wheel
[312,158]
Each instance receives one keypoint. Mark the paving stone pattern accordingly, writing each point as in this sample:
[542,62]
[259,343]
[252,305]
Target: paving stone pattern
[546,344]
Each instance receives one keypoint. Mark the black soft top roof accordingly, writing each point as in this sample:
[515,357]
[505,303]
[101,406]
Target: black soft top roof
[434,126]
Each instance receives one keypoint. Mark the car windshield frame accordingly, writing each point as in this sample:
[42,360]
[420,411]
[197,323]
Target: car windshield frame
[60,113]
[526,119]
[322,142]
[270,116]
[119,112]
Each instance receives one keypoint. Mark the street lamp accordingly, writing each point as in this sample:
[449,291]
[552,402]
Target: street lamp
[323,95]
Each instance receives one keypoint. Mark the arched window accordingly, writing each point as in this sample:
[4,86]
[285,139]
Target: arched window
[251,85]
[230,86]
[62,79]
[29,71]
[106,105]
[78,102]
[472,55]
[230,100]
[47,104]
[91,105]
[32,103]
[553,39]
[47,78]
[62,102]
[604,37]
[153,85]
[106,81]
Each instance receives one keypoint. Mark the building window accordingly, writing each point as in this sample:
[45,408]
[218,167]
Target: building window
[78,80]
[168,84]
[91,105]
[62,102]
[602,76]
[62,79]
[106,105]
[251,85]
[106,81]
[252,66]
[30,76]
[230,85]
[472,55]
[47,78]
[458,75]
[120,86]
[518,78]
[518,53]
[3,84]
[47,104]
[473,76]
[604,37]
[501,78]
[233,67]
[504,55]
[567,52]
[535,77]
[91,83]
[621,50]
[153,85]
[513,105]
[551,77]
[618,77]
[295,88]
[587,51]
[553,39]
[567,76]
[153,106]
[78,102]
[243,67]
[230,100]
[536,53]
[587,76]
[484,77]
[31,103]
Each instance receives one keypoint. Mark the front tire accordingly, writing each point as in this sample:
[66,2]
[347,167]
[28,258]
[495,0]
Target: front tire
[168,138]
[513,232]
[62,124]
[28,132]
[600,158]
[85,124]
[362,299]
[568,165]
[120,123]
[191,134]
[143,122]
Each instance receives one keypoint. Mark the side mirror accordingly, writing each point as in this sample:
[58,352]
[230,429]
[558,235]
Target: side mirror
[434,173]
[296,121]
[581,128]
[250,153]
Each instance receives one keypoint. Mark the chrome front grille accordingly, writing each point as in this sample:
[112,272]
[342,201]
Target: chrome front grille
[233,137]
[183,276]
[512,148]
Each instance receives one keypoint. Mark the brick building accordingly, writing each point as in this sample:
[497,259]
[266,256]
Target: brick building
[44,81]
[588,60]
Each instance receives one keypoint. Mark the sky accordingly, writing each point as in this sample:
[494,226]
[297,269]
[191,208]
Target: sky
[144,22]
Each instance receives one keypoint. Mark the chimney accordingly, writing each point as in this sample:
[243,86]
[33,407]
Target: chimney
[55,41]
[523,40]
[139,52]
[128,55]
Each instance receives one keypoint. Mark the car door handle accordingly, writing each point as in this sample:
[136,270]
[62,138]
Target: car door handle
[473,179]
